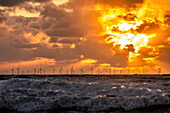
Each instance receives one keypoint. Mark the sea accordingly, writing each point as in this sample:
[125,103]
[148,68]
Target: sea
[85,93]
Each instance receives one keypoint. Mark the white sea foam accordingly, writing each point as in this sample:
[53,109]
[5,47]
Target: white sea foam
[30,95]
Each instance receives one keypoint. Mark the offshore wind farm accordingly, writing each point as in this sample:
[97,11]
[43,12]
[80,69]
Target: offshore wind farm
[84,56]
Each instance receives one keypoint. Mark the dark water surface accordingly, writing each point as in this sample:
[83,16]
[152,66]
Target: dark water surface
[85,93]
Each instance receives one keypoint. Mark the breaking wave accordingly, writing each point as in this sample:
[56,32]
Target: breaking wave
[31,95]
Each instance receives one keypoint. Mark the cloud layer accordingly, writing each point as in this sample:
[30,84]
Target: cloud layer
[68,31]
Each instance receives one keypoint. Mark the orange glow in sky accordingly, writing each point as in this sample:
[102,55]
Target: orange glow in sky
[125,35]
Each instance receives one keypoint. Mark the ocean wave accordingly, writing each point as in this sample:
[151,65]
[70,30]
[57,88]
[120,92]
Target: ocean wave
[30,95]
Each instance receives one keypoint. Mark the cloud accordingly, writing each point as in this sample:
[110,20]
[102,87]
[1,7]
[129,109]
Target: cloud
[122,3]
[73,30]
[10,3]
[111,3]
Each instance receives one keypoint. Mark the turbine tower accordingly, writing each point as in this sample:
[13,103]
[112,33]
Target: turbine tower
[67,71]
[120,71]
[128,71]
[18,70]
[110,71]
[12,71]
[92,69]
[61,70]
[54,70]
[40,70]
[81,70]
[6,71]
[72,70]
[28,71]
[44,71]
[144,70]
[159,70]
[114,71]
[98,71]
[35,71]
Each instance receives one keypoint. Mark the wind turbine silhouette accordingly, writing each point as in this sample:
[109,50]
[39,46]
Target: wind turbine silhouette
[120,71]
[81,70]
[72,70]
[98,71]
[40,70]
[92,69]
[34,71]
[54,70]
[110,71]
[23,72]
[144,70]
[133,71]
[28,71]
[18,70]
[159,70]
[6,71]
[67,71]
[128,71]
[114,71]
[44,71]
[61,70]
[12,70]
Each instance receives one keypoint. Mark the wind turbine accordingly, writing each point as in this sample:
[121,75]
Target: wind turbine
[54,70]
[67,71]
[159,70]
[61,70]
[28,71]
[92,69]
[144,70]
[133,71]
[72,70]
[6,71]
[81,70]
[40,70]
[18,70]
[110,71]
[120,71]
[44,71]
[107,71]
[12,70]
[98,71]
[114,71]
[35,71]
[128,71]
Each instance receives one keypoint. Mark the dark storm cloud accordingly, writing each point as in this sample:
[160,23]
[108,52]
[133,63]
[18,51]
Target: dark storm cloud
[112,3]
[167,19]
[57,21]
[2,16]
[8,46]
[120,2]
[10,3]
[165,54]
[69,41]
[128,17]
[70,32]
[65,27]
[149,27]
[53,12]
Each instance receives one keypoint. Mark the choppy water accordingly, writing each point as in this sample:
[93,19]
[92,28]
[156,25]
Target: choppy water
[112,94]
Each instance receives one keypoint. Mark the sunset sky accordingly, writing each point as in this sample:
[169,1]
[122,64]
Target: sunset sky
[115,34]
